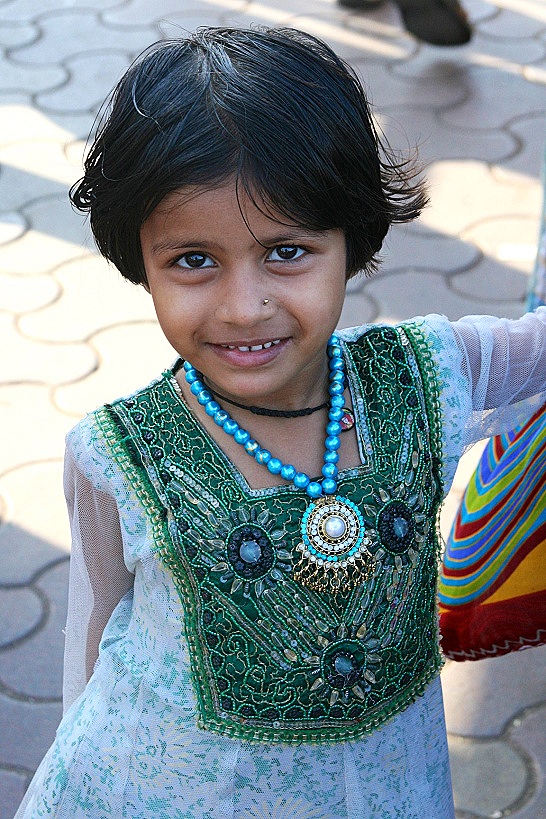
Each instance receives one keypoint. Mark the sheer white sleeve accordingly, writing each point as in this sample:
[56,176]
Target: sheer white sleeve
[504,362]
[490,373]
[99,577]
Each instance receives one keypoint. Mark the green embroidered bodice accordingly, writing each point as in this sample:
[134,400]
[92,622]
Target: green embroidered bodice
[273,660]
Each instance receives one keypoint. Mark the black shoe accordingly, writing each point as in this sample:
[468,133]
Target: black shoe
[438,22]
[361,5]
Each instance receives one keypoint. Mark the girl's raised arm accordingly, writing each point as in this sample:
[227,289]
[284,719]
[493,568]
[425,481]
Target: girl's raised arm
[99,577]
[505,363]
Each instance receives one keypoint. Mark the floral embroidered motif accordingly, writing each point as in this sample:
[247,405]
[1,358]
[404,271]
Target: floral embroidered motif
[273,660]
[345,666]
[248,558]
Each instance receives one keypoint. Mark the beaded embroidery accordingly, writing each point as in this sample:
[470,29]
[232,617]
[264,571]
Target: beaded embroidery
[273,660]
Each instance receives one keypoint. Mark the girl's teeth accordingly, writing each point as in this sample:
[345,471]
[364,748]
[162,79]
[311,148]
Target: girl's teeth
[255,348]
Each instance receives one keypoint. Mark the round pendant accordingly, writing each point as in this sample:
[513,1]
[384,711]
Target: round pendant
[334,556]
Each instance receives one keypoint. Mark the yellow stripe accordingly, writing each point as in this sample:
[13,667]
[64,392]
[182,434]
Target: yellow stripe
[527,578]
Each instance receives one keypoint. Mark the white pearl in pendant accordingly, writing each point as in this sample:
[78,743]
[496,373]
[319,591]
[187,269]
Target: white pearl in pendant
[335,527]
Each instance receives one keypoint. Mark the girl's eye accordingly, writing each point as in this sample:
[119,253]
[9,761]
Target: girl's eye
[194,260]
[285,253]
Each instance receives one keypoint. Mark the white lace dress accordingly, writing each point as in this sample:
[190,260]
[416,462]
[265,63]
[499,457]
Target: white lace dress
[129,744]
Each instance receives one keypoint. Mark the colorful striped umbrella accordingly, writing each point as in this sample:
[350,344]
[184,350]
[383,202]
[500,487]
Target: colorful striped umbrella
[492,589]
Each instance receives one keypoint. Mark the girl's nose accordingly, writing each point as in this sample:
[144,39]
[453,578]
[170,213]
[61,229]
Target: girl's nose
[242,299]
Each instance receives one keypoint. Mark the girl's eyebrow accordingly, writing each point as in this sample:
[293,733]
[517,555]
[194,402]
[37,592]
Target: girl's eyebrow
[180,242]
[295,234]
[288,235]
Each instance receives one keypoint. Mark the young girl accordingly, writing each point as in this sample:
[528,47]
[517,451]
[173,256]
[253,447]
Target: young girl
[253,625]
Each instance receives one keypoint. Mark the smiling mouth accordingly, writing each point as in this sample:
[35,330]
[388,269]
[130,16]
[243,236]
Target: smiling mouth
[253,348]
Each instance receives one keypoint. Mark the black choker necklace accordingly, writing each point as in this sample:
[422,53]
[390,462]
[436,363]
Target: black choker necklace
[273,413]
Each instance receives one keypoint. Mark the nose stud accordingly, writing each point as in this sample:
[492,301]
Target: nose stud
[265,301]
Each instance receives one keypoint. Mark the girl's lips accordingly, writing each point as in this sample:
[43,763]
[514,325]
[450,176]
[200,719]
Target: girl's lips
[250,355]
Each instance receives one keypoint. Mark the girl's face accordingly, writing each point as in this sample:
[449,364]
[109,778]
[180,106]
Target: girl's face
[209,275]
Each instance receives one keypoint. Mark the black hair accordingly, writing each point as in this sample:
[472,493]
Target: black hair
[275,108]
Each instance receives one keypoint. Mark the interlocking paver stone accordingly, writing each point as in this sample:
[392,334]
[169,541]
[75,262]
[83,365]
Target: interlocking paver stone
[426,249]
[28,293]
[33,667]
[317,8]
[505,88]
[472,691]
[13,785]
[37,252]
[530,133]
[510,239]
[358,309]
[41,428]
[17,188]
[351,42]
[36,533]
[461,200]
[494,761]
[12,225]
[479,10]
[50,363]
[41,157]
[494,282]
[417,292]
[529,732]
[94,295]
[142,12]
[20,746]
[17,34]
[190,19]
[30,78]
[131,355]
[28,10]
[54,215]
[513,52]
[437,140]
[61,38]
[424,94]
[512,24]
[89,79]
[20,122]
[21,611]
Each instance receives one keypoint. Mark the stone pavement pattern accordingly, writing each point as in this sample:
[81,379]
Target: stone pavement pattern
[74,335]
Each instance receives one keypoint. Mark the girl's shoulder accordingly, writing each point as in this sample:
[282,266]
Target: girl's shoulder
[427,325]
[432,337]
[88,444]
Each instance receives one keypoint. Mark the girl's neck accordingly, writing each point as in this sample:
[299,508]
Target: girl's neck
[270,412]
[299,440]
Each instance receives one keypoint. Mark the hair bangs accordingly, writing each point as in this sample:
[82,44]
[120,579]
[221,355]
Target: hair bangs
[274,109]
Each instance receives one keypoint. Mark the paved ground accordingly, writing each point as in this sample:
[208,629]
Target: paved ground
[73,335]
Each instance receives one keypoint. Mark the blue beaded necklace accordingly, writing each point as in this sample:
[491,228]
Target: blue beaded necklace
[336,388]
[333,554]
